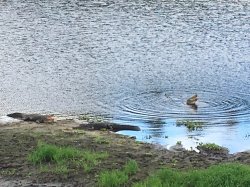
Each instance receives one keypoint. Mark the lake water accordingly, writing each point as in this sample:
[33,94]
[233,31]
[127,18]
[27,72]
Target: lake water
[135,62]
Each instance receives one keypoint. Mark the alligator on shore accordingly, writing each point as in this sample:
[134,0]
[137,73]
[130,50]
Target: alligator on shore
[107,126]
[38,118]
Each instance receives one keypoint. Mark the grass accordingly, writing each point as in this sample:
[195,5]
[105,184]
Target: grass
[101,140]
[191,125]
[112,178]
[131,167]
[224,175]
[210,147]
[52,158]
[57,169]
[116,178]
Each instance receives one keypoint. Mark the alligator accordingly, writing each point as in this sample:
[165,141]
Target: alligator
[38,118]
[107,126]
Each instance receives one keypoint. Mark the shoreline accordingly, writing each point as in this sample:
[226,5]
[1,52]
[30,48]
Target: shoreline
[20,139]
[88,117]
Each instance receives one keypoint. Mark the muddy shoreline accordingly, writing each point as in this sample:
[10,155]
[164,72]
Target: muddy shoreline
[19,139]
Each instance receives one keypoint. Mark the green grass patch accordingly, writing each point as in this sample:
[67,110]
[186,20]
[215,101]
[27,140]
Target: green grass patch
[224,175]
[178,143]
[60,168]
[112,178]
[131,167]
[191,125]
[116,178]
[210,147]
[58,159]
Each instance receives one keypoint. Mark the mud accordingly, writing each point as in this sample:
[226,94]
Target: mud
[19,139]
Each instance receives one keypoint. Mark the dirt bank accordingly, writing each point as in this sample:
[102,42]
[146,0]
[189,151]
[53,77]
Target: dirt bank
[20,139]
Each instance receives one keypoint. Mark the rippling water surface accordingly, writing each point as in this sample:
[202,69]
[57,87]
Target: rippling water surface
[135,62]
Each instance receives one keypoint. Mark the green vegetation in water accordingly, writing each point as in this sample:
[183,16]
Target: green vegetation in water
[178,143]
[91,118]
[191,125]
[118,177]
[230,175]
[57,159]
[210,147]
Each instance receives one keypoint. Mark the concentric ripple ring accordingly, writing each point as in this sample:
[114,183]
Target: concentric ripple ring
[212,106]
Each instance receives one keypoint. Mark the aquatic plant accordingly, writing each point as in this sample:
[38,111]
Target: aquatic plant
[178,143]
[191,125]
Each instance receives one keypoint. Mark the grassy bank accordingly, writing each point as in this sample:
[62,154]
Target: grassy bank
[57,159]
[32,154]
[224,175]
[114,178]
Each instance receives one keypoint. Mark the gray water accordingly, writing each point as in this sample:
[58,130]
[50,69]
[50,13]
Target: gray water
[135,62]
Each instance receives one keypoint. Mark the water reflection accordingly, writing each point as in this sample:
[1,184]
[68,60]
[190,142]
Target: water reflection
[155,127]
